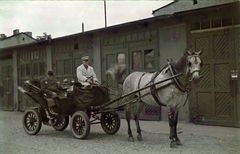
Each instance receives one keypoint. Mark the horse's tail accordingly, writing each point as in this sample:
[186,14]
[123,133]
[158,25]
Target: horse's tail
[117,72]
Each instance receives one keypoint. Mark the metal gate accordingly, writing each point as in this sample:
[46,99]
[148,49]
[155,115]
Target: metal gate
[211,100]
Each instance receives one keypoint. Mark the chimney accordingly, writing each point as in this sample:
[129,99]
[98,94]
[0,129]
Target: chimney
[3,36]
[16,31]
[29,33]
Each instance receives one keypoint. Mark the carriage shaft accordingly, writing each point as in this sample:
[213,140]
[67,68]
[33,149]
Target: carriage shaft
[138,90]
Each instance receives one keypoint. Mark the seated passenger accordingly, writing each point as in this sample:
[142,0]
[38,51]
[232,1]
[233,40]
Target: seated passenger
[52,88]
[85,73]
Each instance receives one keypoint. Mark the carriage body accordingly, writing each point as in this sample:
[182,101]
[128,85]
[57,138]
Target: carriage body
[80,103]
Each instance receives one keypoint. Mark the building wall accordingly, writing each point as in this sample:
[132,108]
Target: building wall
[16,40]
[172,45]
[162,38]
[31,64]
[238,69]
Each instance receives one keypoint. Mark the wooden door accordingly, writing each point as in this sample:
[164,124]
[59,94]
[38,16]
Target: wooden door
[145,59]
[211,100]
[62,66]
[76,62]
[109,60]
[7,85]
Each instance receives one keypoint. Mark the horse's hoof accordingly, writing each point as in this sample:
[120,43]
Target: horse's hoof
[131,139]
[139,137]
[178,142]
[173,144]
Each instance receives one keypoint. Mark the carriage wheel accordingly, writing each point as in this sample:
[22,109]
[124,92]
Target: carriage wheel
[62,126]
[80,125]
[31,121]
[110,122]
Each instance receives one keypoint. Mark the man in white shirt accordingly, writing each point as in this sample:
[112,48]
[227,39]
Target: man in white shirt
[85,73]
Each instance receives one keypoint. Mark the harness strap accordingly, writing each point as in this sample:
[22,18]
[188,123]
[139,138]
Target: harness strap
[155,96]
[154,90]
[179,86]
[139,85]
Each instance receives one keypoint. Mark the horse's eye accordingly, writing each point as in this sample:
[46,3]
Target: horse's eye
[189,64]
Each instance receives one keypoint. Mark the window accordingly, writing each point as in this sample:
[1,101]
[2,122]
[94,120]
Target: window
[22,70]
[59,67]
[67,66]
[28,70]
[42,68]
[35,69]
[121,58]
[75,46]
[149,61]
[136,60]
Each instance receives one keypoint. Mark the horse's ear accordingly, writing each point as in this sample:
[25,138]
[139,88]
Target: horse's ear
[188,52]
[199,52]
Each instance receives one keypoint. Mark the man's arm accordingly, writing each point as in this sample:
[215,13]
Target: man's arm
[94,76]
[80,76]
[44,88]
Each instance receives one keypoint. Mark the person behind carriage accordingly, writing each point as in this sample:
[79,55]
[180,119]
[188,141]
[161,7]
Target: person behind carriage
[85,73]
[51,87]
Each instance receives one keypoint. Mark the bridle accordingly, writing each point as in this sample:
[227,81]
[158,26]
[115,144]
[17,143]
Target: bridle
[191,73]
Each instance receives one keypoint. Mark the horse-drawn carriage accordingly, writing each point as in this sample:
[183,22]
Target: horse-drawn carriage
[168,87]
[82,104]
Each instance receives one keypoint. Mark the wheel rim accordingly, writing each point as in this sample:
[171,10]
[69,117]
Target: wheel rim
[31,121]
[79,125]
[110,121]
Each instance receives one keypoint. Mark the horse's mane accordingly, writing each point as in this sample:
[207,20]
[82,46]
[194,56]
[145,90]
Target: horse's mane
[180,64]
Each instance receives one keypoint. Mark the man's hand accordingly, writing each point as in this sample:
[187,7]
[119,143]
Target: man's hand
[89,81]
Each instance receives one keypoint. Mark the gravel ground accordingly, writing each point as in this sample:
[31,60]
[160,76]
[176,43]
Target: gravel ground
[196,139]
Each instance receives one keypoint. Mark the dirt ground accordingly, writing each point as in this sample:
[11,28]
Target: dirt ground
[196,139]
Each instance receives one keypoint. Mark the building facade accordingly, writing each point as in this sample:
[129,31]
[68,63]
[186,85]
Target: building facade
[144,45]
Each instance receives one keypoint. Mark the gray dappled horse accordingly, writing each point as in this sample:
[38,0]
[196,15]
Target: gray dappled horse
[172,93]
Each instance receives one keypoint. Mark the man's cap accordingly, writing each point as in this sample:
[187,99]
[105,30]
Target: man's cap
[85,58]
[50,72]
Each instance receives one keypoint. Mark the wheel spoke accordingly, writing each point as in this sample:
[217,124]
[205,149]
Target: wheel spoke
[79,125]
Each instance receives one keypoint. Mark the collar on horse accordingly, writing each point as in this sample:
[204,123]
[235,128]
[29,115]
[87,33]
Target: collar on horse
[154,89]
[176,80]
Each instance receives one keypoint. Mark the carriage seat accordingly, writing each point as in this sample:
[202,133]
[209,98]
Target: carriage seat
[34,86]
[50,102]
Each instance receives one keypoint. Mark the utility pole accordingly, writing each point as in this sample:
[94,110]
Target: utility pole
[105,13]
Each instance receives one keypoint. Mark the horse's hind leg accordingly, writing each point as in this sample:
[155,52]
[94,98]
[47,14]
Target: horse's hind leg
[128,118]
[173,119]
[139,109]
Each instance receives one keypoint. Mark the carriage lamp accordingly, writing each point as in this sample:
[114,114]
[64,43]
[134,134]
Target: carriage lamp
[234,74]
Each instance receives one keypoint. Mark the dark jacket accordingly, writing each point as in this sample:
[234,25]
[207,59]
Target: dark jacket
[49,86]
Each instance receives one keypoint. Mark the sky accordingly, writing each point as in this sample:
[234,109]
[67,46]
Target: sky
[61,18]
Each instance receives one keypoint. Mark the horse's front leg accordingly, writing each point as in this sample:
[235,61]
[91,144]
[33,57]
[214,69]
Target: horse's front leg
[128,118]
[173,119]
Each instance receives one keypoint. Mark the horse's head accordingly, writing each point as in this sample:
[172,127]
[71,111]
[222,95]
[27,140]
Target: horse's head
[194,64]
